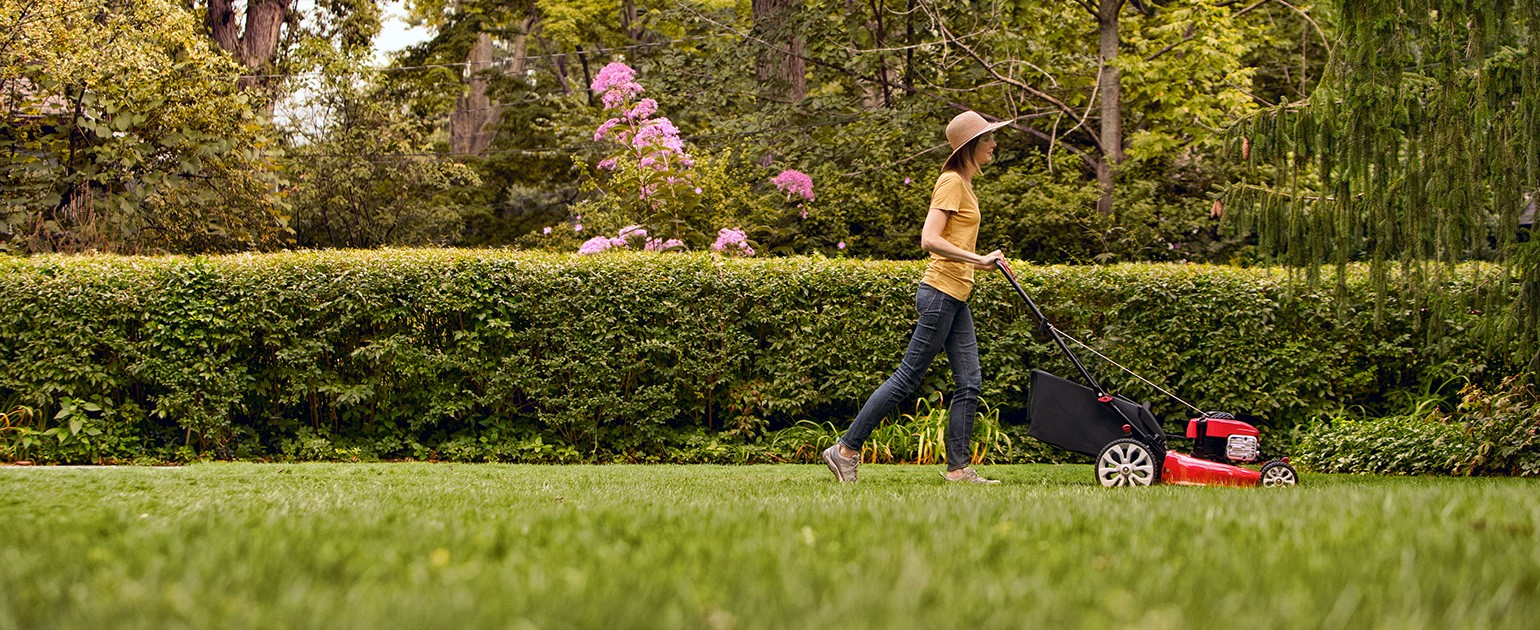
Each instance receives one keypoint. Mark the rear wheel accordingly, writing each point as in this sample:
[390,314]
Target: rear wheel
[1127,462]
[1277,474]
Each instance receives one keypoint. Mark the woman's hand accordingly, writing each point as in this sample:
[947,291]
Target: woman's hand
[990,261]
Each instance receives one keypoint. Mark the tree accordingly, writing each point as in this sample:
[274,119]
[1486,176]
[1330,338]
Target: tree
[257,42]
[1416,150]
[362,177]
[124,130]
[781,67]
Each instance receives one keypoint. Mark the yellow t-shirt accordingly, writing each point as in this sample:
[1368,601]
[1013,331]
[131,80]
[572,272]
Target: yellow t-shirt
[954,195]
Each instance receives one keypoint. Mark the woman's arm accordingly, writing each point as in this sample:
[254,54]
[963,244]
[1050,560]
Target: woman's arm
[931,241]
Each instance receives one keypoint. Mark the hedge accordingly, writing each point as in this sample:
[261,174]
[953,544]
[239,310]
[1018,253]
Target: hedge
[639,356]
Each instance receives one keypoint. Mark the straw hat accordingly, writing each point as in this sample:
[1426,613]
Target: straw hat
[967,126]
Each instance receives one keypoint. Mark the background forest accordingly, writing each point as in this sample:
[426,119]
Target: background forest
[190,127]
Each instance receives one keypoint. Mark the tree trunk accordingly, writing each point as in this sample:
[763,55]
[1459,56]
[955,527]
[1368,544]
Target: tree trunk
[1111,88]
[474,112]
[781,70]
[254,43]
[628,21]
[879,95]
[909,41]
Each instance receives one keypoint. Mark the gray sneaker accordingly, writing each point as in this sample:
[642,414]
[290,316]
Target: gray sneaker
[969,475]
[844,468]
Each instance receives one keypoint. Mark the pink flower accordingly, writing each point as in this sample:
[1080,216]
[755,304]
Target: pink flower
[842,245]
[659,132]
[633,231]
[794,183]
[608,165]
[617,83]
[594,245]
[613,99]
[804,214]
[697,191]
[658,245]
[605,128]
[548,230]
[612,75]
[644,108]
[733,241]
[907,180]
[577,228]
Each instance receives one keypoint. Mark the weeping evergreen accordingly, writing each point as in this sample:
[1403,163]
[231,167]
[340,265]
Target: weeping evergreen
[1415,152]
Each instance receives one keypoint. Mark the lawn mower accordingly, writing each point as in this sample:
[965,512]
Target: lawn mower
[1125,438]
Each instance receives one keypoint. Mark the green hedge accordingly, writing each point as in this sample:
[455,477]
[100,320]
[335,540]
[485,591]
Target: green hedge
[633,356]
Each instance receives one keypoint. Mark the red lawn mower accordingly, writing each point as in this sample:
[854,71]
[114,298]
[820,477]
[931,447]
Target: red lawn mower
[1125,438]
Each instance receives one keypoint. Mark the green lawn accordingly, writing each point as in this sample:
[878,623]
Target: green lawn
[495,546]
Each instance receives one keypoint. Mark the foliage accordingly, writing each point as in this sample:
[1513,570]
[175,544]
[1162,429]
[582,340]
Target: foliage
[421,546]
[882,80]
[914,438]
[650,181]
[1396,445]
[1416,151]
[124,130]
[1505,427]
[632,356]
[1490,433]
[359,177]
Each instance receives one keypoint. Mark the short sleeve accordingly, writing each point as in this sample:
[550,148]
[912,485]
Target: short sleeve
[949,192]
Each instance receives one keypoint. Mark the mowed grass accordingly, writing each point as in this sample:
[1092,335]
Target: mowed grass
[501,546]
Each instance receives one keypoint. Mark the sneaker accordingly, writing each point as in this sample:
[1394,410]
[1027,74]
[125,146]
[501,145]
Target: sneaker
[844,468]
[969,475]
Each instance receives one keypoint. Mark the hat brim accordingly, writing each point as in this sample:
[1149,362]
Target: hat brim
[986,129]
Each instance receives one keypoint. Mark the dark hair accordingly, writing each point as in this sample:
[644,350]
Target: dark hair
[963,158]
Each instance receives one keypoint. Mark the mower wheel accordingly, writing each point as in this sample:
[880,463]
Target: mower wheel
[1276,474]
[1127,462]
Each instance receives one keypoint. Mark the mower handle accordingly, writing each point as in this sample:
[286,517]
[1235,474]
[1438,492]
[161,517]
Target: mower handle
[1005,268]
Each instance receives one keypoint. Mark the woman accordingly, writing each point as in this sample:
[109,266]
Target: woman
[951,229]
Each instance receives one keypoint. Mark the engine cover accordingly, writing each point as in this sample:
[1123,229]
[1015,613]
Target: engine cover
[1220,428]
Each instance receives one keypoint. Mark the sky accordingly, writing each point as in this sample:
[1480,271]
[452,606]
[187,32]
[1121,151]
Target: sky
[395,34]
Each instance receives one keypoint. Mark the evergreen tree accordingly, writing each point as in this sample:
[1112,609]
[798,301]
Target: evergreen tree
[1417,150]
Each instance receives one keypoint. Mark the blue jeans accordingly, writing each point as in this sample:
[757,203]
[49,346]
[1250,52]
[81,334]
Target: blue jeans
[944,322]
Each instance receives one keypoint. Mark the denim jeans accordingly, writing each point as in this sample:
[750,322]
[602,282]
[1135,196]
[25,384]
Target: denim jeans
[944,322]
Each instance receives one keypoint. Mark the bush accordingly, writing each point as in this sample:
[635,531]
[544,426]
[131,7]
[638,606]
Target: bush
[1489,434]
[495,355]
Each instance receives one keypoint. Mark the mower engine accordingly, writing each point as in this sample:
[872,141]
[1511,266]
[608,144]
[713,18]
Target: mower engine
[1220,444]
[1219,436]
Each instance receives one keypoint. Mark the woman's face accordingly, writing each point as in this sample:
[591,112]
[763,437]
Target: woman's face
[985,151]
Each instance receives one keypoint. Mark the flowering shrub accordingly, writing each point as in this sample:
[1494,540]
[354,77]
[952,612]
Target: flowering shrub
[794,184]
[629,235]
[648,176]
[731,241]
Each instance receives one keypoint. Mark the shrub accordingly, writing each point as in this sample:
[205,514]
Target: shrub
[1490,433]
[641,356]
[1397,445]
[1504,425]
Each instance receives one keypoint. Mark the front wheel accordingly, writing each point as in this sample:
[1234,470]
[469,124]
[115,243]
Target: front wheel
[1277,474]
[1127,462]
